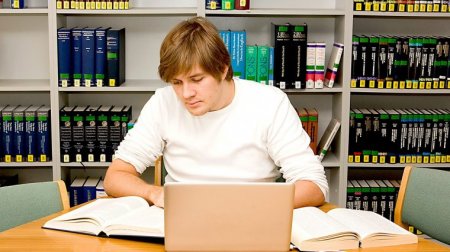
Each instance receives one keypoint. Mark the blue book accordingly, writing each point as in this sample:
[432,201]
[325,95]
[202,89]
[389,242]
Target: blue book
[31,133]
[116,56]
[7,133]
[100,56]
[19,132]
[64,57]
[90,188]
[238,42]
[76,192]
[271,60]
[100,190]
[44,146]
[88,57]
[225,35]
[1,132]
[76,56]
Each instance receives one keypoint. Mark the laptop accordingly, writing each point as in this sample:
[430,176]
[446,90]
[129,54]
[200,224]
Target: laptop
[228,216]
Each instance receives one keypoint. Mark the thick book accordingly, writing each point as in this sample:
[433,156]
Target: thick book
[64,57]
[327,138]
[19,133]
[115,55]
[333,64]
[340,228]
[126,216]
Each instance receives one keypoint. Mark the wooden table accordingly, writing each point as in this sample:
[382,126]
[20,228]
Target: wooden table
[31,237]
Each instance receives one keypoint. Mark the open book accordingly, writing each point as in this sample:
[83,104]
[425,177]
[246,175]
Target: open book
[340,228]
[125,216]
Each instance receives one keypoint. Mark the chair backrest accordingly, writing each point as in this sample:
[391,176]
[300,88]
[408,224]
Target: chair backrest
[23,203]
[160,172]
[424,202]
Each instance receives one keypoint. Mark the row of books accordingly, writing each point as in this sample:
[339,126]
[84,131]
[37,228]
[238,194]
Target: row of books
[378,196]
[25,133]
[400,62]
[84,189]
[91,57]
[13,4]
[93,4]
[402,5]
[399,136]
[309,118]
[227,4]
[92,133]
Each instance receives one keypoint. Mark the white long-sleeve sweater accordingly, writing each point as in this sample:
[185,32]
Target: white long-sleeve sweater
[245,141]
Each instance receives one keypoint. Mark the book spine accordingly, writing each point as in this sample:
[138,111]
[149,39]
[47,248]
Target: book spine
[382,61]
[271,66]
[90,130]
[251,62]
[355,64]
[299,35]
[100,56]
[225,35]
[43,134]
[64,57]
[333,64]
[78,135]
[373,61]
[115,56]
[103,134]
[242,4]
[8,140]
[227,4]
[213,4]
[65,132]
[125,118]
[281,42]
[88,57]
[319,68]
[310,64]
[363,53]
[30,135]
[115,129]
[313,126]
[238,50]
[262,65]
[19,134]
[76,56]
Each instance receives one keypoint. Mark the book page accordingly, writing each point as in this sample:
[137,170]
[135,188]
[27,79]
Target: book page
[93,216]
[312,224]
[366,223]
[146,221]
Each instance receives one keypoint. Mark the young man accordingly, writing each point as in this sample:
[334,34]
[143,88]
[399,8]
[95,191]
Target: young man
[210,126]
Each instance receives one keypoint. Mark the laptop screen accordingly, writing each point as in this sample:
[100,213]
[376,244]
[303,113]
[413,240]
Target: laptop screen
[228,216]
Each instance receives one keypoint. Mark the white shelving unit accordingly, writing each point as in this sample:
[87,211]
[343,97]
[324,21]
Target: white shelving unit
[28,65]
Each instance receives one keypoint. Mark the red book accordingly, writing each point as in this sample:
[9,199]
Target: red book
[242,4]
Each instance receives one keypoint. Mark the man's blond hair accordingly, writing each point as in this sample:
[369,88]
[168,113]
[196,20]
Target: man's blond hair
[194,42]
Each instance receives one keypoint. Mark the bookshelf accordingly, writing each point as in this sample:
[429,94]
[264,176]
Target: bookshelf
[29,75]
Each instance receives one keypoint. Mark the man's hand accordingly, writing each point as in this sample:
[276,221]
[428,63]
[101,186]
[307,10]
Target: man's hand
[157,196]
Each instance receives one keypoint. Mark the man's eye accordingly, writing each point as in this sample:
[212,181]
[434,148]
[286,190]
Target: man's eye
[197,79]
[176,82]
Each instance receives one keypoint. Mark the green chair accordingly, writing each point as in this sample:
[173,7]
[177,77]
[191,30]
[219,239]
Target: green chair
[23,203]
[424,202]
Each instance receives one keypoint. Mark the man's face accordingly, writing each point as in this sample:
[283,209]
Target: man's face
[199,91]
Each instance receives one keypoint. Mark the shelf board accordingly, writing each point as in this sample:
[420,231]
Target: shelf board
[127,86]
[375,166]
[133,11]
[24,85]
[24,11]
[401,14]
[276,12]
[330,160]
[26,164]
[399,91]
[313,90]
[86,164]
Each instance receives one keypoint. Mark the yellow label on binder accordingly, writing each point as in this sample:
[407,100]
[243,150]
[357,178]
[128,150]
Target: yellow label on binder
[419,159]
[402,84]
[350,158]
[366,158]
[435,84]
[58,4]
[376,7]
[116,6]
[7,158]
[112,82]
[357,159]
[362,83]
[432,159]
[353,83]
[422,84]
[243,2]
[438,159]
[82,5]
[429,7]
[30,158]
[415,84]
[426,159]
[391,7]
[401,8]
[392,160]
[416,7]
[66,5]
[428,85]
[43,158]
[410,8]
[372,83]
[92,5]
[88,6]
[213,5]
[383,6]
[423,7]
[441,84]
[121,5]
[395,85]
[98,5]
[127,5]
[380,84]
[109,6]
[408,159]
[374,159]
[73,4]
[382,159]
[436,7]
[402,159]
[388,84]
[413,159]
[448,159]
[103,5]
[444,8]
[19,158]
[409,84]
[368,6]
[443,159]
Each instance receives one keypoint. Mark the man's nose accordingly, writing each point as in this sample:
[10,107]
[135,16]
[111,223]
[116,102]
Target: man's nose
[188,90]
